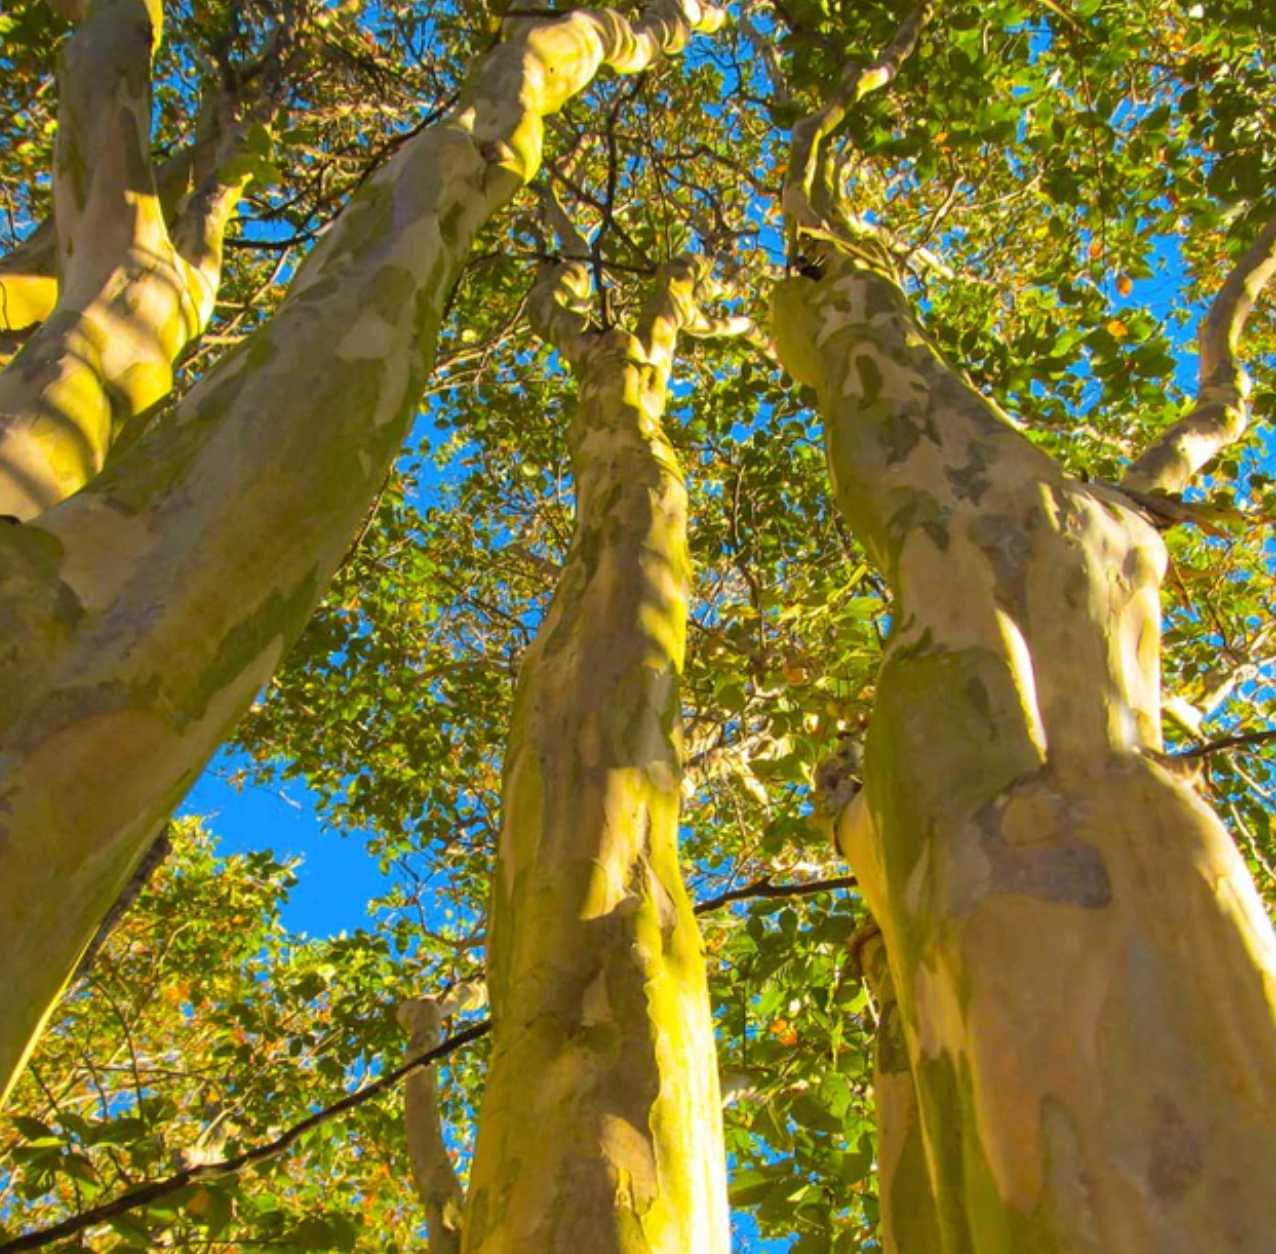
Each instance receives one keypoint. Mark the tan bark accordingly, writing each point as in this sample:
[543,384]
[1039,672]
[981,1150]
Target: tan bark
[600,1127]
[910,1219]
[139,617]
[433,1172]
[1085,975]
[1221,413]
[131,295]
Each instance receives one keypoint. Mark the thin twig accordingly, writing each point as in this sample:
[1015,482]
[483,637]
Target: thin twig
[156,1190]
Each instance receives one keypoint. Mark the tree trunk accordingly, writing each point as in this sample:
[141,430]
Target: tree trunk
[1084,970]
[140,617]
[601,1127]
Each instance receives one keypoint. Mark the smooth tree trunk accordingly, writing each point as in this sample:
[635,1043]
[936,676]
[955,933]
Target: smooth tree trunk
[1085,975]
[600,1128]
[140,617]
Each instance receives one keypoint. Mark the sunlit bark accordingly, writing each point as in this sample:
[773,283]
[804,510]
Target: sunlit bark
[131,295]
[910,1222]
[600,1127]
[1085,975]
[433,1171]
[140,616]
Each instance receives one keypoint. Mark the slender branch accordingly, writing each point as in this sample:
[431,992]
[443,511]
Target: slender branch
[1225,743]
[1221,413]
[803,197]
[435,1176]
[759,889]
[156,1190]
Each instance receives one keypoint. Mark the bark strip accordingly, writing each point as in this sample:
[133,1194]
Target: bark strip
[600,1127]
[140,617]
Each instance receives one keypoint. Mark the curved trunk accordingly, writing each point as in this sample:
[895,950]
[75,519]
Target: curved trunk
[140,617]
[1085,975]
[601,1123]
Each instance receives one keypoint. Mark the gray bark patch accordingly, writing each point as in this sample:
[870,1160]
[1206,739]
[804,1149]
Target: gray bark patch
[1176,1160]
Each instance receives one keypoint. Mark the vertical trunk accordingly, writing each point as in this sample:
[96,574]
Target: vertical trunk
[910,1223]
[601,1125]
[140,617]
[1085,976]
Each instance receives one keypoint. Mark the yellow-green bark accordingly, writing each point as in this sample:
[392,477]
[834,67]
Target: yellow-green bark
[28,283]
[130,295]
[600,1127]
[139,617]
[910,1223]
[1085,975]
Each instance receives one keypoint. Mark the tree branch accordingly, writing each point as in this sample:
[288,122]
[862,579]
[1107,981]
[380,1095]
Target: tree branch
[760,889]
[1221,413]
[432,1169]
[156,1190]
[806,203]
[1225,743]
[462,998]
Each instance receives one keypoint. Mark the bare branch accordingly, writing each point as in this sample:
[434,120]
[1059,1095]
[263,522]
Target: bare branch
[1221,413]
[762,889]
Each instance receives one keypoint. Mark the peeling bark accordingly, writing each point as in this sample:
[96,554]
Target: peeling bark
[600,1127]
[140,616]
[1085,975]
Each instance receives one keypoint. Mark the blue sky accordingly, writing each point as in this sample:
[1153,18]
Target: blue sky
[337,877]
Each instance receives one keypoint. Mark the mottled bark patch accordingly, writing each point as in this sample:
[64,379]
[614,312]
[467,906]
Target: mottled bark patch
[971,481]
[1176,1155]
[1003,540]
[1028,855]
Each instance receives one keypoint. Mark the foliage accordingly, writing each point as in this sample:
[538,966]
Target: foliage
[1070,182]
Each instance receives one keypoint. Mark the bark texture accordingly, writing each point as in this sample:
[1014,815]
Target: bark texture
[601,1123]
[131,294]
[140,617]
[433,1172]
[1085,975]
[28,283]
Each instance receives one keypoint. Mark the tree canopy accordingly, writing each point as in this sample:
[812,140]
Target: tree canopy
[1062,190]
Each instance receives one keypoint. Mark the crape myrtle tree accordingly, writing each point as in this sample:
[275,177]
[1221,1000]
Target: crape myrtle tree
[955,215]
